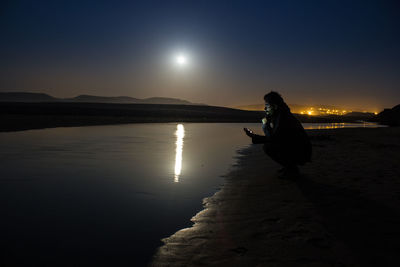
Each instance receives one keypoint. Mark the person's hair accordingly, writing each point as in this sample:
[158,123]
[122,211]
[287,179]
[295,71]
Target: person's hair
[274,98]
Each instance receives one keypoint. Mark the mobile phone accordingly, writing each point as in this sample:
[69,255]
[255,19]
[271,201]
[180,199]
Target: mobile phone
[248,130]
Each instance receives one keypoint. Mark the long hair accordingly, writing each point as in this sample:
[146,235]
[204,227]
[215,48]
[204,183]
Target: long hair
[275,98]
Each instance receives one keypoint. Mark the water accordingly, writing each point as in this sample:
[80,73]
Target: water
[320,126]
[107,194]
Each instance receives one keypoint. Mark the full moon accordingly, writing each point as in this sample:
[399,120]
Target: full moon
[181,60]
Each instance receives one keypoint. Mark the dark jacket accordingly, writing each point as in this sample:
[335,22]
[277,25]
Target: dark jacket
[286,136]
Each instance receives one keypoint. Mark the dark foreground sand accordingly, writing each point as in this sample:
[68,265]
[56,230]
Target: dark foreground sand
[343,211]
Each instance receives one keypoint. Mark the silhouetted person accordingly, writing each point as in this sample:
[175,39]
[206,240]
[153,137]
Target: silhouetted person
[285,140]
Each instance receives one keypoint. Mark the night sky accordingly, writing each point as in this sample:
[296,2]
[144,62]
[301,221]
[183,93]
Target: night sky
[344,53]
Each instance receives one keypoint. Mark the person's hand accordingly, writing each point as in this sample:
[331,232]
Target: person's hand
[264,121]
[248,132]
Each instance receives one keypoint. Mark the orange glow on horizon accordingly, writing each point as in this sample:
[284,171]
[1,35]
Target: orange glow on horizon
[311,111]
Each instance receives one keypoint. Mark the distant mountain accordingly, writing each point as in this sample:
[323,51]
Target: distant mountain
[103,99]
[389,116]
[294,108]
[360,114]
[253,107]
[163,100]
[40,97]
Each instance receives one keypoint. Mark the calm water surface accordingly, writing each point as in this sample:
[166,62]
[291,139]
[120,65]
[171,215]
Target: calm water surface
[320,126]
[107,194]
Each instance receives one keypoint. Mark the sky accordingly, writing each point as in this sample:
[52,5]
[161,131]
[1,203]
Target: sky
[343,53]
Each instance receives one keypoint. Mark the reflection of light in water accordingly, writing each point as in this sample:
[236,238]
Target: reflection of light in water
[180,133]
[337,125]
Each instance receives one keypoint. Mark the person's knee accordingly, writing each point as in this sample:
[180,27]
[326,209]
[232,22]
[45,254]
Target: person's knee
[274,153]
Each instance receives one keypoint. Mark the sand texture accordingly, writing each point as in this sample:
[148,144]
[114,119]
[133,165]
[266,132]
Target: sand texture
[344,210]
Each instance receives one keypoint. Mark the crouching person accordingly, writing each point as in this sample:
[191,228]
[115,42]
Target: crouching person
[285,140]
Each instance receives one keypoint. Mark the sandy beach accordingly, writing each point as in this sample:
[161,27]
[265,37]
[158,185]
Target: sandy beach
[344,210]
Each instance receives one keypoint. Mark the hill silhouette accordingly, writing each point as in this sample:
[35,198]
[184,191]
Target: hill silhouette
[35,115]
[22,116]
[22,111]
[41,97]
[390,117]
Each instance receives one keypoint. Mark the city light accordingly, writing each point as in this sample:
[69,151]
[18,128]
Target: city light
[311,111]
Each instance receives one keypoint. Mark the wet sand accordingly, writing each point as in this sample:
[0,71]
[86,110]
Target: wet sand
[344,210]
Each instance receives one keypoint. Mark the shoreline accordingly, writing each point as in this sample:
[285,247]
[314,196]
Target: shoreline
[344,210]
[19,116]
[17,123]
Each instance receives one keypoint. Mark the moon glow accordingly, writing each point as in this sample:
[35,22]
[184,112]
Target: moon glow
[181,60]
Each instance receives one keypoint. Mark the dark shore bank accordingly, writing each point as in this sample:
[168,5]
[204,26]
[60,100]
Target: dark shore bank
[343,211]
[18,116]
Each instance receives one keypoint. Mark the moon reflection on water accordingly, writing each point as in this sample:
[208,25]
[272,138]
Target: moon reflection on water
[180,133]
